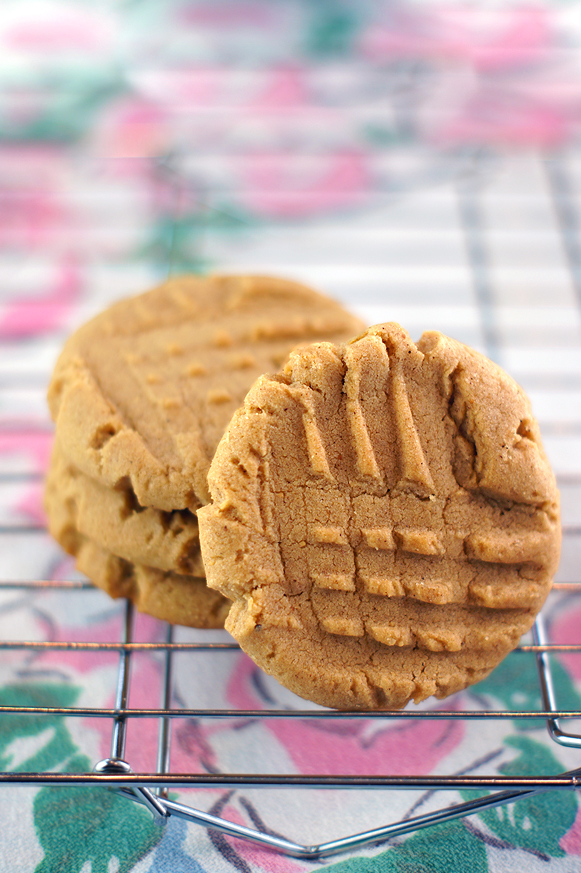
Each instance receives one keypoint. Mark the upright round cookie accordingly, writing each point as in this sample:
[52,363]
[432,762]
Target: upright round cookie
[142,393]
[384,519]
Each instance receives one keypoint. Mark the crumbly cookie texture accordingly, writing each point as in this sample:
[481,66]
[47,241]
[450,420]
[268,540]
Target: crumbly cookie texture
[114,519]
[142,394]
[384,519]
[172,597]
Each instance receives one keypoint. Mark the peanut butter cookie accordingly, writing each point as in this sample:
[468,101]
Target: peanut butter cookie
[142,393]
[384,519]
[112,518]
[168,596]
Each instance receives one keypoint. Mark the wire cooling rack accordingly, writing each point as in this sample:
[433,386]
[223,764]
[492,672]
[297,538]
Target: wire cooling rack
[151,789]
[484,317]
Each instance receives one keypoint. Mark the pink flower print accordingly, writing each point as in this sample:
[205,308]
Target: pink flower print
[571,841]
[556,86]
[193,747]
[106,627]
[32,316]
[515,37]
[29,217]
[284,184]
[142,734]
[32,165]
[470,101]
[497,117]
[565,630]
[281,89]
[35,445]
[487,39]
[32,204]
[133,128]
[59,27]
[146,681]
[351,746]
[107,630]
[408,34]
[229,15]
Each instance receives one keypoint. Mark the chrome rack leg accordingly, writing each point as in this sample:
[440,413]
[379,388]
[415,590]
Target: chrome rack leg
[116,763]
[548,696]
[165,728]
[119,735]
[118,767]
[161,806]
[334,847]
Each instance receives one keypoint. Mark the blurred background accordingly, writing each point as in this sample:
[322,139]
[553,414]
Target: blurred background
[418,161]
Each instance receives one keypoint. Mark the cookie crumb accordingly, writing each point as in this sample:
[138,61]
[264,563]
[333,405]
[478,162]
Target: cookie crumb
[195,369]
[222,339]
[279,358]
[243,361]
[219,395]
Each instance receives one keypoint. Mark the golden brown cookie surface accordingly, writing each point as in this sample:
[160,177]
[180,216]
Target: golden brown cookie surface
[384,518]
[112,518]
[142,394]
[173,597]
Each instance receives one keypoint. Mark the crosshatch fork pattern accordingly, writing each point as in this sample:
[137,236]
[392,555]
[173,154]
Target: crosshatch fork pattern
[120,716]
[383,568]
[372,553]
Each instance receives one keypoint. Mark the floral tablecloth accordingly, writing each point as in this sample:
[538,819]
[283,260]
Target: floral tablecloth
[418,161]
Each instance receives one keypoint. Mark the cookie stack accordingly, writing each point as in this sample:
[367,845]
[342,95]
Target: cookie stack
[141,396]
[378,522]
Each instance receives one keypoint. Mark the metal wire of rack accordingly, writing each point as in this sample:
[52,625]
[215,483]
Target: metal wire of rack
[151,789]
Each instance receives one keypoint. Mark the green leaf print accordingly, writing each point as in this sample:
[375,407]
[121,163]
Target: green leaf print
[333,28]
[515,685]
[440,849]
[67,113]
[73,825]
[538,822]
[178,242]
[76,825]
[58,745]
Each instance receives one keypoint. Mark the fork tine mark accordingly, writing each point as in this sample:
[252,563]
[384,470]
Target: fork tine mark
[389,635]
[365,456]
[507,548]
[379,538]
[414,470]
[419,542]
[314,439]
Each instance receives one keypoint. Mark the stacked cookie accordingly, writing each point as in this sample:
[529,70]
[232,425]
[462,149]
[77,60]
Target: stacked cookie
[141,396]
[378,521]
